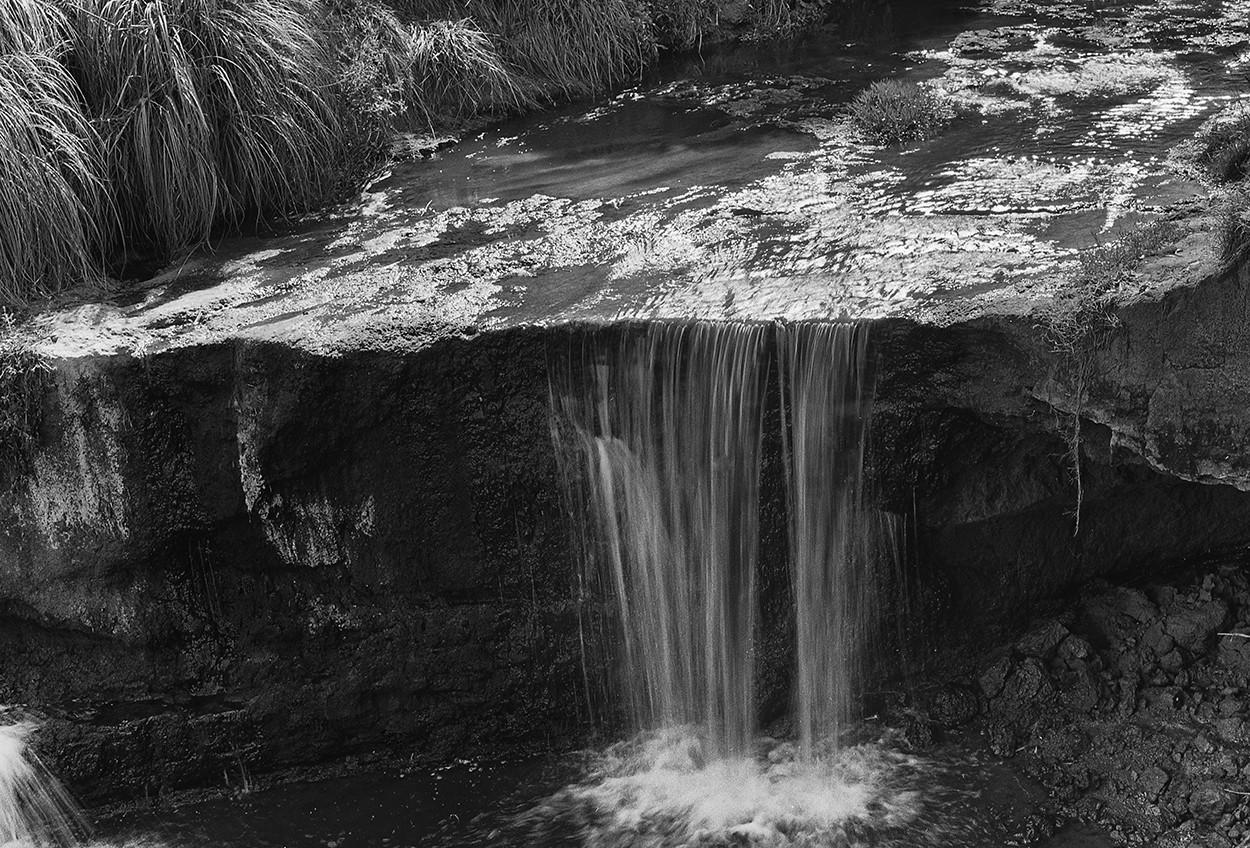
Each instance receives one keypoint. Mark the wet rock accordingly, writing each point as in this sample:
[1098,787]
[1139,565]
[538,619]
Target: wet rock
[1003,739]
[1074,648]
[918,732]
[1192,626]
[1023,687]
[1207,802]
[1234,655]
[1116,615]
[991,43]
[952,706]
[992,679]
[1041,640]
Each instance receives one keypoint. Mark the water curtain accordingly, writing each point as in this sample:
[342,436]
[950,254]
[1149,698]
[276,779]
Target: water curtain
[661,434]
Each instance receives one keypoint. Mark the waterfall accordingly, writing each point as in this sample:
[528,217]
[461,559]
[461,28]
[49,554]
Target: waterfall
[666,438]
[825,388]
[35,811]
[661,435]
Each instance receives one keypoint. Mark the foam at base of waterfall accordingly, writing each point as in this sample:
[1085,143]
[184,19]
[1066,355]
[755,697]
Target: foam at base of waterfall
[659,790]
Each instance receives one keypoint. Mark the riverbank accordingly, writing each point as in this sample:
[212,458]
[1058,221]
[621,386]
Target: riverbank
[248,113]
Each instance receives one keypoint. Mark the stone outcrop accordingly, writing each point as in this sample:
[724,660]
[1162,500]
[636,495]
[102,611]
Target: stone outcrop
[247,555]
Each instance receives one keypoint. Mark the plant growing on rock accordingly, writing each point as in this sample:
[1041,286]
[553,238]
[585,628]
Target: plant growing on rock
[22,374]
[1081,315]
[894,112]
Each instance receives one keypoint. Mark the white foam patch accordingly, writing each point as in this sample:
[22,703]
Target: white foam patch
[661,789]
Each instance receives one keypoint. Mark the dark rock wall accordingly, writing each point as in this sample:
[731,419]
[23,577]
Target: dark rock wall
[973,441]
[245,557]
[248,555]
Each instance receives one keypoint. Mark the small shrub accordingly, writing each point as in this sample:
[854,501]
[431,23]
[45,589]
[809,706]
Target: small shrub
[212,111]
[1225,148]
[1104,267]
[51,198]
[1079,320]
[894,112]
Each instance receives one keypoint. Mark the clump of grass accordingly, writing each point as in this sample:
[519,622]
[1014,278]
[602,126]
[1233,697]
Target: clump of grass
[682,23]
[787,17]
[212,111]
[571,47]
[1225,148]
[427,70]
[1232,226]
[51,199]
[456,71]
[894,112]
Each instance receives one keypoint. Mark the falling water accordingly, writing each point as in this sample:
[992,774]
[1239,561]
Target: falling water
[826,389]
[35,811]
[662,433]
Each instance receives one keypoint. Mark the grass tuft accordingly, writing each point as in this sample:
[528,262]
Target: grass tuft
[1225,148]
[212,111]
[894,112]
[51,197]
[571,47]
[1232,226]
[456,71]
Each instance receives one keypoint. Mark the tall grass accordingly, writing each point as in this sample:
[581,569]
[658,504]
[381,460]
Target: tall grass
[571,47]
[212,111]
[147,126]
[457,71]
[51,199]
[682,23]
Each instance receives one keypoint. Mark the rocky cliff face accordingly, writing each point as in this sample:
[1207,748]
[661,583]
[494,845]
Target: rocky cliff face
[244,554]
[240,554]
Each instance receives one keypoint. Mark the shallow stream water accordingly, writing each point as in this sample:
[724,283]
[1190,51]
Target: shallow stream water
[569,801]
